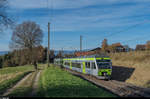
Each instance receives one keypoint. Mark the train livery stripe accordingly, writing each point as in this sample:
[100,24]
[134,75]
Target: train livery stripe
[70,65]
[108,71]
[84,71]
[102,58]
[80,59]
[84,58]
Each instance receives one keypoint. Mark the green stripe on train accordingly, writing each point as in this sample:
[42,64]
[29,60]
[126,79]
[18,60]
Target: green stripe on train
[102,58]
[84,71]
[80,59]
[70,65]
[108,71]
[85,58]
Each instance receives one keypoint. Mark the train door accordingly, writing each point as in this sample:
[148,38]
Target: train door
[93,68]
[87,67]
[83,68]
[70,65]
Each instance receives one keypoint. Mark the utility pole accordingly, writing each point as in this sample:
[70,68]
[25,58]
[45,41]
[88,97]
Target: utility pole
[48,49]
[80,43]
[62,53]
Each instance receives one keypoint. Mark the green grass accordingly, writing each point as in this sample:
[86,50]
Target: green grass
[55,82]
[21,92]
[25,88]
[17,69]
[11,71]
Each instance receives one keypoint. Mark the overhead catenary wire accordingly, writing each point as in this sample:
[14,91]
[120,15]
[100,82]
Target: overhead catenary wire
[138,38]
[124,30]
[134,26]
[112,34]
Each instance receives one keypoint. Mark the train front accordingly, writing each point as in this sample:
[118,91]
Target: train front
[104,67]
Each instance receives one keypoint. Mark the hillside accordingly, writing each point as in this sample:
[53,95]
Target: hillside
[135,65]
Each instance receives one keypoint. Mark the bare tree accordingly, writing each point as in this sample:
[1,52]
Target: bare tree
[104,45]
[5,20]
[27,35]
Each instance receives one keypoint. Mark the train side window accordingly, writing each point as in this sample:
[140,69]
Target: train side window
[77,65]
[93,65]
[73,64]
[87,64]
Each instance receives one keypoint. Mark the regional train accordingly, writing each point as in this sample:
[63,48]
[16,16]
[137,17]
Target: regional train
[98,66]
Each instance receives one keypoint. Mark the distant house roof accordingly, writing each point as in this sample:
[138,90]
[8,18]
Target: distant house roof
[116,44]
[90,52]
[140,47]
[84,53]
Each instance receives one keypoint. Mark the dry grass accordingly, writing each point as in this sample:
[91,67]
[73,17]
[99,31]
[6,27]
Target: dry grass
[24,89]
[9,76]
[140,61]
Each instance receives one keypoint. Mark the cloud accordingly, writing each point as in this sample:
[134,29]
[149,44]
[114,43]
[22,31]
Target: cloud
[122,14]
[82,16]
[67,4]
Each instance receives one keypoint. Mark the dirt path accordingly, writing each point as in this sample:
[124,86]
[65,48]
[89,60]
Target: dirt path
[35,84]
[27,86]
[17,85]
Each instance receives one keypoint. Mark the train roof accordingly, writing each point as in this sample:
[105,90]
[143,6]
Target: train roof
[93,56]
[90,57]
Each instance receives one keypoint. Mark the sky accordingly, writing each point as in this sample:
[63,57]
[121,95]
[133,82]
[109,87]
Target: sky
[124,21]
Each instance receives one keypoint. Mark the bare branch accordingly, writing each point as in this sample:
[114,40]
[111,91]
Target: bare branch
[5,20]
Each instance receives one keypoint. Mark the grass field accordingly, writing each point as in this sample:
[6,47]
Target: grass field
[25,88]
[140,61]
[9,76]
[55,82]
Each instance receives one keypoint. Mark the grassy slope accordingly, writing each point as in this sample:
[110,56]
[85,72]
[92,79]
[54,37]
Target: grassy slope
[24,89]
[11,71]
[55,82]
[140,61]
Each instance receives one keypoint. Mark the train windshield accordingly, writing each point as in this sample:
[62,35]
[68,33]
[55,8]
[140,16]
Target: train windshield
[103,65]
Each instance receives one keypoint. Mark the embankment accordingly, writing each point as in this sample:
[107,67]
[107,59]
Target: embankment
[132,67]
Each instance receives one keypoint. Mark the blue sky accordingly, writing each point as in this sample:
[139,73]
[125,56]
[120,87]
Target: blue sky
[93,19]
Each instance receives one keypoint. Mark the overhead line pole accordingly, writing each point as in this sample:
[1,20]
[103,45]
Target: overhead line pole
[48,49]
[80,43]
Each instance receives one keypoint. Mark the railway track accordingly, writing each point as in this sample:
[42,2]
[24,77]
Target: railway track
[121,89]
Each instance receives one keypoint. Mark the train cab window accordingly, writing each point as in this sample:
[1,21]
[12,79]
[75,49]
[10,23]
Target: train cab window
[93,65]
[104,65]
[87,64]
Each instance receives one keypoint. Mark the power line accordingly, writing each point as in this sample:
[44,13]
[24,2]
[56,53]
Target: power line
[134,26]
[138,38]
[112,34]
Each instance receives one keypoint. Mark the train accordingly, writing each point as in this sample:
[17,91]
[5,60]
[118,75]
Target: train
[98,66]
